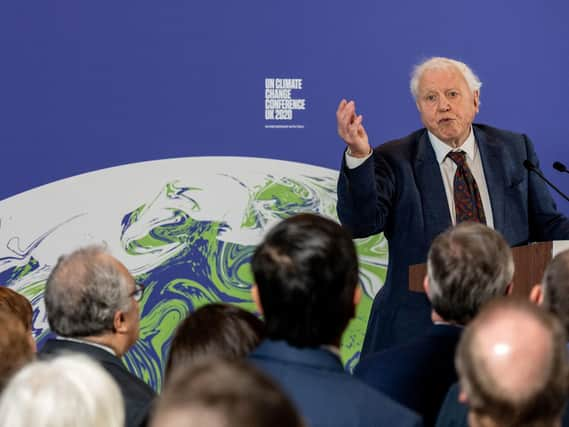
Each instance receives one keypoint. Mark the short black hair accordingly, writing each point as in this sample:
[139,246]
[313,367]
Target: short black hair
[214,330]
[306,271]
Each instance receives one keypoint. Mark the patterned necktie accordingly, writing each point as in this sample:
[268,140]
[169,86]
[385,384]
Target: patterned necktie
[467,202]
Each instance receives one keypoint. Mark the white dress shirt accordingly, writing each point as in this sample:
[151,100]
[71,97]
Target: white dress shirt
[448,169]
[94,344]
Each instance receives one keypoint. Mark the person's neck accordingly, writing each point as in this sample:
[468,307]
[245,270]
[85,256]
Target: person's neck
[486,421]
[455,143]
[106,340]
[437,319]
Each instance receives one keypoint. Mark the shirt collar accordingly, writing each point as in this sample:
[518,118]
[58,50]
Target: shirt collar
[441,149]
[77,340]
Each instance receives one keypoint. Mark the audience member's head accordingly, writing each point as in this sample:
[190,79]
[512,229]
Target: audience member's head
[306,276]
[553,293]
[214,330]
[66,391]
[19,305]
[222,393]
[15,347]
[91,295]
[513,367]
[467,266]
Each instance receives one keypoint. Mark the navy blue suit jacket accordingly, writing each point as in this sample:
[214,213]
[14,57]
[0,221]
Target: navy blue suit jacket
[324,393]
[138,396]
[399,191]
[417,374]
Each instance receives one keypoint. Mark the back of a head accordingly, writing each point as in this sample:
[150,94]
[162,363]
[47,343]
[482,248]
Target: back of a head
[83,292]
[222,393]
[513,367]
[214,330]
[468,265]
[15,347]
[67,391]
[556,288]
[306,271]
[12,301]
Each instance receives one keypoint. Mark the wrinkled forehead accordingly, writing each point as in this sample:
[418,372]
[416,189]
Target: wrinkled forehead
[442,78]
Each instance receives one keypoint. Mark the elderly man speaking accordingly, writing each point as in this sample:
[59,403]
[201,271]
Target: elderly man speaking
[415,187]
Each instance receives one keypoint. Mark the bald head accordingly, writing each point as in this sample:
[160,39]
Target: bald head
[512,363]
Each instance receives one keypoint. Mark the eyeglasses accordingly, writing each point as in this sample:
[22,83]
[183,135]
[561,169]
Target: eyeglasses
[138,292]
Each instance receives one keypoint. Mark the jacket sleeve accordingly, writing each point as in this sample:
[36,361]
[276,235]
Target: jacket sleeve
[365,196]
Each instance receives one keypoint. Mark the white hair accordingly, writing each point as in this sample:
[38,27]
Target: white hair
[66,391]
[439,62]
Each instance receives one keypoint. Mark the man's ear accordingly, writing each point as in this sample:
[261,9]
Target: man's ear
[476,95]
[32,342]
[256,298]
[536,294]
[509,289]
[426,285]
[357,295]
[119,322]
[462,397]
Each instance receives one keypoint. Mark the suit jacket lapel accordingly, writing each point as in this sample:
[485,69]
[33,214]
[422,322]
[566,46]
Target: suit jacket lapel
[492,157]
[436,215]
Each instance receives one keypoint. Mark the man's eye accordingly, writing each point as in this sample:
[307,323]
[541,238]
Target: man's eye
[431,98]
[453,94]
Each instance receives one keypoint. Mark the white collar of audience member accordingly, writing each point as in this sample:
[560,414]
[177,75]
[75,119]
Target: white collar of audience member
[442,149]
[94,344]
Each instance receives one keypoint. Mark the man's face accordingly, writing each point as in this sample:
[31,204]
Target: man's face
[132,316]
[447,105]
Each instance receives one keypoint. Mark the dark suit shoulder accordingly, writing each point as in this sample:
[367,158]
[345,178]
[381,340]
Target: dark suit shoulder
[405,146]
[316,381]
[500,134]
[138,396]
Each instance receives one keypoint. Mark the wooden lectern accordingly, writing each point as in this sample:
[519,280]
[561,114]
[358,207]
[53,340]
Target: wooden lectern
[530,262]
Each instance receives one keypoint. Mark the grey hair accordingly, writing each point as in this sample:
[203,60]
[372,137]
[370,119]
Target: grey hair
[62,392]
[556,288]
[438,63]
[84,291]
[467,266]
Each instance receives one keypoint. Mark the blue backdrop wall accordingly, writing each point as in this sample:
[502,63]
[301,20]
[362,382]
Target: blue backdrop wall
[86,86]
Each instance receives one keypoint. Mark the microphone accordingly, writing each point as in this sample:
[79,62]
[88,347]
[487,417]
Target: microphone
[560,167]
[532,168]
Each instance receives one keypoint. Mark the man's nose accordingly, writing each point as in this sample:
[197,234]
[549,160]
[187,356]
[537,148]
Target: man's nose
[444,105]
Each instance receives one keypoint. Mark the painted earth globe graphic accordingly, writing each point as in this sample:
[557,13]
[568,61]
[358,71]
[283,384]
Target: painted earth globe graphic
[186,228]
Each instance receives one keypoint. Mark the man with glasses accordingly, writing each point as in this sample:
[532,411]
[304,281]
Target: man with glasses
[92,304]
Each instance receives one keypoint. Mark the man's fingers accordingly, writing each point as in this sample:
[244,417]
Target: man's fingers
[350,126]
[341,106]
[345,117]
